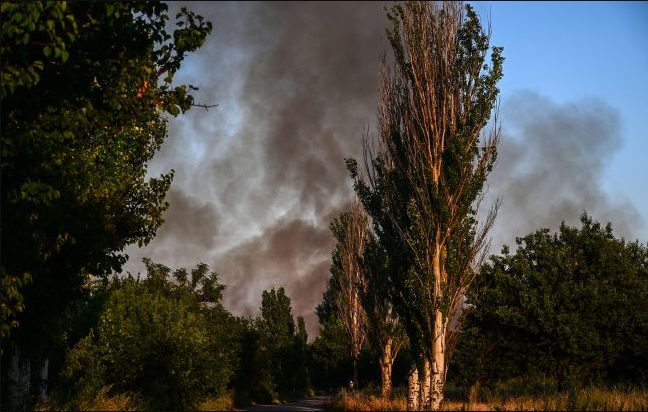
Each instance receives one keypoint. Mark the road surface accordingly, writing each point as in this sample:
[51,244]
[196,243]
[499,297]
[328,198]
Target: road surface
[314,403]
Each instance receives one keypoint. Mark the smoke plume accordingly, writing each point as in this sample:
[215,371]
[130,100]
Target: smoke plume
[259,178]
[550,167]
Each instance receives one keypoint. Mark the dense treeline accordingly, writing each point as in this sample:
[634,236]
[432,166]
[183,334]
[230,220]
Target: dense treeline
[572,305]
[566,311]
[410,305]
[567,308]
[166,340]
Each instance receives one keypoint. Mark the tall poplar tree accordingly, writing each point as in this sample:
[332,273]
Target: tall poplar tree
[384,327]
[351,230]
[424,186]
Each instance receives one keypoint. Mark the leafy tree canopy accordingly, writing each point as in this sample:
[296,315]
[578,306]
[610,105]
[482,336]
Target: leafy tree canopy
[277,316]
[572,305]
[155,328]
[85,87]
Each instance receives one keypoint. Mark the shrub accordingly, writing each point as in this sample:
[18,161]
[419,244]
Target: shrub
[158,340]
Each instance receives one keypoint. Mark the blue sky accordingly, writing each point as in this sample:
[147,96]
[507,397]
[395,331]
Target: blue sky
[568,51]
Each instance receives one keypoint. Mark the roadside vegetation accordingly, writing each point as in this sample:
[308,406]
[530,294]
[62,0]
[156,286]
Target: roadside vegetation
[414,316]
[508,396]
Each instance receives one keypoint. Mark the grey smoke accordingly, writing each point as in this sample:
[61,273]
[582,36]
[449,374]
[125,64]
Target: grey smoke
[259,178]
[550,167]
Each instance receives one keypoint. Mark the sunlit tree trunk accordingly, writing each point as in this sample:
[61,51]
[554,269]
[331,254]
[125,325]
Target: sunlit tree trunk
[356,331]
[439,364]
[436,365]
[413,389]
[386,363]
[425,386]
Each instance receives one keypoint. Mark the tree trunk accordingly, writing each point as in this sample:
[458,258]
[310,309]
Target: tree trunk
[413,390]
[386,362]
[439,363]
[355,373]
[43,379]
[19,378]
[425,386]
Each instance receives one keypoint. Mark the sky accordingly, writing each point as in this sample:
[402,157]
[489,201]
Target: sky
[259,178]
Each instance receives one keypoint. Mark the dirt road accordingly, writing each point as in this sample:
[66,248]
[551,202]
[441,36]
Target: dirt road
[314,403]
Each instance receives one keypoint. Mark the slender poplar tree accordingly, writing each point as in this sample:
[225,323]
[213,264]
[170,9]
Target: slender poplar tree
[351,232]
[384,328]
[423,187]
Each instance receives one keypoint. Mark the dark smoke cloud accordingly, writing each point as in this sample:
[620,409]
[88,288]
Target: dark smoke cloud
[190,222]
[259,178]
[550,167]
[292,253]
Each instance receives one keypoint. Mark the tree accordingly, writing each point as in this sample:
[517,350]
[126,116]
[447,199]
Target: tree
[177,333]
[357,294]
[384,328]
[350,230]
[423,188]
[253,379]
[569,305]
[85,87]
[331,363]
[277,315]
[286,348]
[300,359]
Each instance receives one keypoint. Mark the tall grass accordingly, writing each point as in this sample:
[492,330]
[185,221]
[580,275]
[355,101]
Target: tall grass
[367,401]
[362,401]
[102,401]
[590,399]
[511,396]
[105,401]
[223,402]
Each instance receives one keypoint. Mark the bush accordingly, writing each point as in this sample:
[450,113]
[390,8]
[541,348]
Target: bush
[156,339]
[572,305]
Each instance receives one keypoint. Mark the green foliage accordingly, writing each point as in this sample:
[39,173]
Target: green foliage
[286,349]
[331,363]
[570,305]
[159,340]
[382,319]
[422,190]
[253,378]
[277,316]
[84,90]
[11,300]
[43,31]
[273,356]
